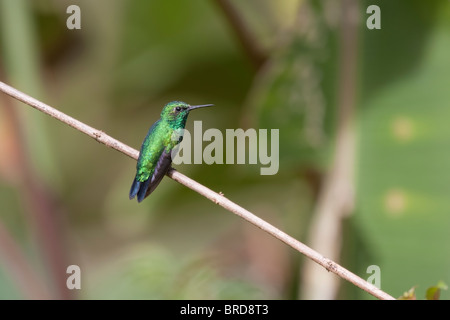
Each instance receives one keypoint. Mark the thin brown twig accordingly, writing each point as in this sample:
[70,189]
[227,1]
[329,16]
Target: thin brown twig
[206,192]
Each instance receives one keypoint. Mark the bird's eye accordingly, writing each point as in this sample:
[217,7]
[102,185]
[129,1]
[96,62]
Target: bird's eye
[178,108]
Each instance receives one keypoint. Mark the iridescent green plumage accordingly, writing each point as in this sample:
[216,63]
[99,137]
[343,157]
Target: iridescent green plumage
[155,156]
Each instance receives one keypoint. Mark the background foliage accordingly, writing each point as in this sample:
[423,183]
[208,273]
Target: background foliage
[64,198]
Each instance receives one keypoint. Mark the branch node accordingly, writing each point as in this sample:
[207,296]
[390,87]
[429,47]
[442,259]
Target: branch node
[98,135]
[331,266]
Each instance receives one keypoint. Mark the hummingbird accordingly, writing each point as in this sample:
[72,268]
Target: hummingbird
[155,156]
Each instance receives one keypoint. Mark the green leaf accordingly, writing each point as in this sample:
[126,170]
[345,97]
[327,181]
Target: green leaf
[433,293]
[403,155]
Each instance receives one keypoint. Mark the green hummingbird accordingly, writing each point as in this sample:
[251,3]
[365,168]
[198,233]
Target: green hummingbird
[155,155]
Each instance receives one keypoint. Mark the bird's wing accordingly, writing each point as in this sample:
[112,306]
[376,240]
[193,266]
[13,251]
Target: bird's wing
[162,166]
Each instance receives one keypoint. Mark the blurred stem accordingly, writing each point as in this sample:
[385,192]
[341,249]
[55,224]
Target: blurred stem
[204,191]
[20,50]
[336,198]
[40,206]
[19,268]
[242,32]
[37,166]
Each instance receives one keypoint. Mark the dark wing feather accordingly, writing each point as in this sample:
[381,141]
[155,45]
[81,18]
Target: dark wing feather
[143,189]
[161,169]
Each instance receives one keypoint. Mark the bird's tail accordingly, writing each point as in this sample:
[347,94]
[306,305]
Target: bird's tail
[141,189]
[135,188]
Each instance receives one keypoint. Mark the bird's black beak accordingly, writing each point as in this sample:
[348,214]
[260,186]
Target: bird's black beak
[200,106]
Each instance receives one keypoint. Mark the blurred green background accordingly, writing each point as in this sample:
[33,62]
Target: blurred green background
[310,68]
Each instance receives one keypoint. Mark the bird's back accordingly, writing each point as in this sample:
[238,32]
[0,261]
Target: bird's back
[151,150]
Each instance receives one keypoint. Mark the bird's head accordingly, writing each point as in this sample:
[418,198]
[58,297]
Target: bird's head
[178,110]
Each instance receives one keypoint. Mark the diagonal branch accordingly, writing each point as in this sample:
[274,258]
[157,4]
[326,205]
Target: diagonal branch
[204,191]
